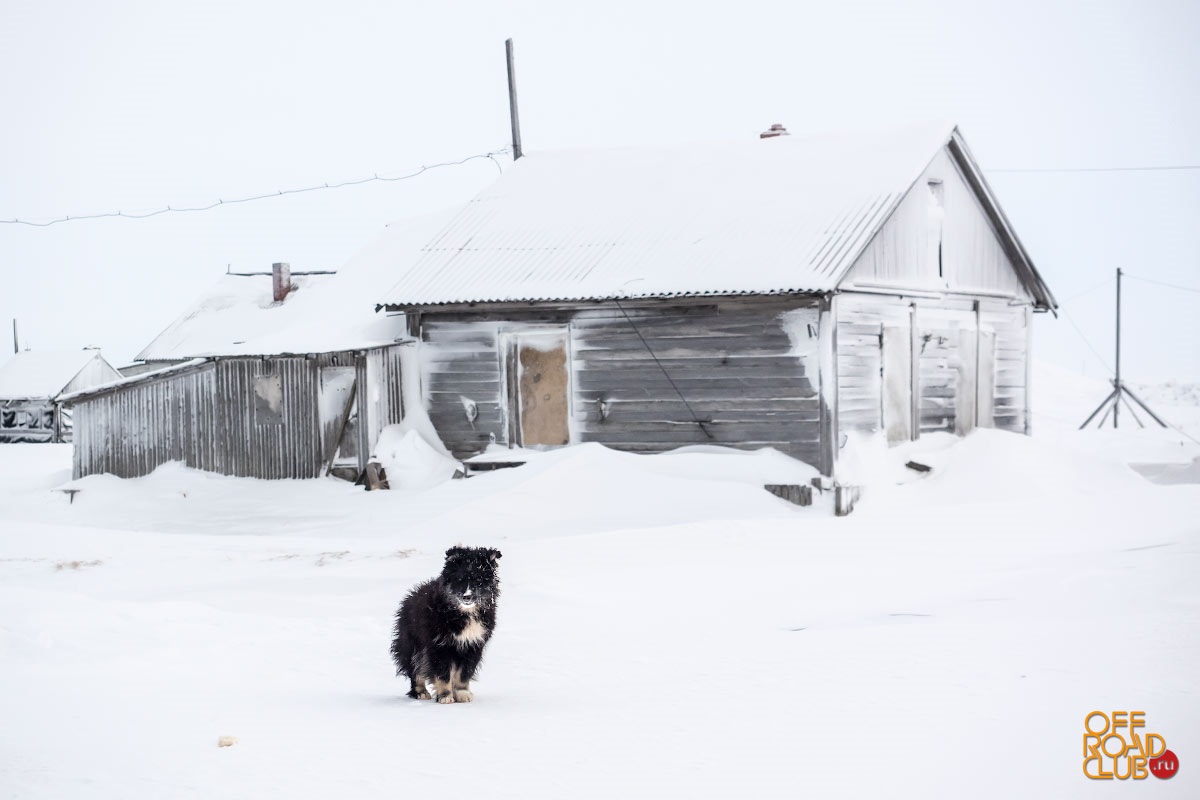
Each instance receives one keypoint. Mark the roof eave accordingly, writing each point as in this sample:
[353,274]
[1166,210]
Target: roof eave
[1030,278]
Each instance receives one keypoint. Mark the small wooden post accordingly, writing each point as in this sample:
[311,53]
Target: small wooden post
[844,498]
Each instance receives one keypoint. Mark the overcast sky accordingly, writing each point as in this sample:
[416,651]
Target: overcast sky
[134,106]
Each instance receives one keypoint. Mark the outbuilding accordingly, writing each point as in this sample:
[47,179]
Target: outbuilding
[786,291]
[275,374]
[31,381]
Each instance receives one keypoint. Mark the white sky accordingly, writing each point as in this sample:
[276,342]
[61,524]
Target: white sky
[134,106]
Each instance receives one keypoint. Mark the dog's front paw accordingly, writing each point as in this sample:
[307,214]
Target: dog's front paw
[445,698]
[463,696]
[420,694]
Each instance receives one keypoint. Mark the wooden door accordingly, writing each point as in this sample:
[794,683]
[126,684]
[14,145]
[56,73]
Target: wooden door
[335,405]
[968,381]
[986,382]
[897,383]
[542,385]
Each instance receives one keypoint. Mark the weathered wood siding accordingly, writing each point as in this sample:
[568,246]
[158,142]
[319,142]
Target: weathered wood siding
[860,323]
[744,368]
[948,362]
[1010,390]
[747,368]
[904,254]
[461,366]
[210,418]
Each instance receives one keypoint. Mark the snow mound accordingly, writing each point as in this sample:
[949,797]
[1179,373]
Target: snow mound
[411,462]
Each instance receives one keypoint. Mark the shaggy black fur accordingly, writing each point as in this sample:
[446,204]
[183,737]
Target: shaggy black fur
[443,625]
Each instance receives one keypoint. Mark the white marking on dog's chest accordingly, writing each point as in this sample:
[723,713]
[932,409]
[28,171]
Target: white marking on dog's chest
[474,633]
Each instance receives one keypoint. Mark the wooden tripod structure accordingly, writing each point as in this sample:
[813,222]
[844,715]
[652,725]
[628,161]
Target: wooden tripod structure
[1112,403]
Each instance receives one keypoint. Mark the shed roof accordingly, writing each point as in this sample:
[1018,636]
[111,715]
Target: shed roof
[780,215]
[326,312]
[42,373]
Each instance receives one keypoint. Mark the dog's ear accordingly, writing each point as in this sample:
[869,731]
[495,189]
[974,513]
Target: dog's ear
[457,550]
[495,554]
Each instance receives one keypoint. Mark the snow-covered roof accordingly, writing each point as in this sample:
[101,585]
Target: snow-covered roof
[323,313]
[760,216]
[774,215]
[42,373]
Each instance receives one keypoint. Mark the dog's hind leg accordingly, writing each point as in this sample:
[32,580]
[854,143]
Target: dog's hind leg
[419,690]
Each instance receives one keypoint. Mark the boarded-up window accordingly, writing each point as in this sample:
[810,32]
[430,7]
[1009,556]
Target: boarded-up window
[268,400]
[539,388]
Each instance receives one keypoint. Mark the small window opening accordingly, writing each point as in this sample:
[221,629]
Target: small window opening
[937,213]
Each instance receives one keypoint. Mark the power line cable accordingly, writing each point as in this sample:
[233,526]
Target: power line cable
[1102,284]
[491,156]
[1162,283]
[1095,352]
[1162,168]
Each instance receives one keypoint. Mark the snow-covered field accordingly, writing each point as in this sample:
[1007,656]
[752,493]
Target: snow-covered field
[667,628]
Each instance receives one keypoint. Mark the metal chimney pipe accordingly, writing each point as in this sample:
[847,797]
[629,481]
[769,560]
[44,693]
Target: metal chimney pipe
[281,280]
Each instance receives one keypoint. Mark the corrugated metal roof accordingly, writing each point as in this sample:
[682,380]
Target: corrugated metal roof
[788,214]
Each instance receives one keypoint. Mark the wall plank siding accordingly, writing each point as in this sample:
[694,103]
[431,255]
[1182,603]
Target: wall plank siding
[734,361]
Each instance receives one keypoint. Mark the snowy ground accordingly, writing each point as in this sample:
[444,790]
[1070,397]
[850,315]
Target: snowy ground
[667,628]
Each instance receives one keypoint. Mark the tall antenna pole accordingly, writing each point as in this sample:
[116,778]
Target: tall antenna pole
[1119,388]
[1117,382]
[512,100]
[15,348]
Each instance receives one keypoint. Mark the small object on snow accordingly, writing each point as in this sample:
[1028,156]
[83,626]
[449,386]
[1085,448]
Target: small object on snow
[844,498]
[919,467]
[227,741]
[473,467]
[374,477]
[792,492]
[71,494]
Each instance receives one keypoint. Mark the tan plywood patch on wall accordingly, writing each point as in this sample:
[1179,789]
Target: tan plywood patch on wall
[543,390]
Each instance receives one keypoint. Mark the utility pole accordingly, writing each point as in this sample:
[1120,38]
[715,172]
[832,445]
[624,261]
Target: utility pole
[512,100]
[1120,391]
[15,348]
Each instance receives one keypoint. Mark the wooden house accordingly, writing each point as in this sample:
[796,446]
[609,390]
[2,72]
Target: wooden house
[268,375]
[31,381]
[781,292]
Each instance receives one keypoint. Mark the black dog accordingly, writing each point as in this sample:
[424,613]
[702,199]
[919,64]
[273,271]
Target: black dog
[444,623]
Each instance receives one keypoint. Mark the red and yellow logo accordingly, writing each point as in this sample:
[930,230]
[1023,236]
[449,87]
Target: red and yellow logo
[1117,746]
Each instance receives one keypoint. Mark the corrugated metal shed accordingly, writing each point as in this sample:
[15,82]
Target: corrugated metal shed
[783,215]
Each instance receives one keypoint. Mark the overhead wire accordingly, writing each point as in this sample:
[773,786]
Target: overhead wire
[491,156]
[1078,295]
[1162,283]
[1086,341]
[1158,168]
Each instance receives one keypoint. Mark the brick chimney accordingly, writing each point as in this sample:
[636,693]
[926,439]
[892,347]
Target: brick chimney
[773,131]
[281,280]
